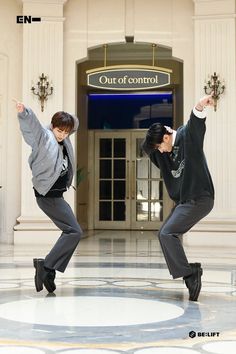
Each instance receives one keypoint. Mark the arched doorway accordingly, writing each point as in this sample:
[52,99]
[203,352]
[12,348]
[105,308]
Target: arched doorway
[119,187]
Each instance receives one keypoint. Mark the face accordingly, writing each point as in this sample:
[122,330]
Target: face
[60,134]
[166,145]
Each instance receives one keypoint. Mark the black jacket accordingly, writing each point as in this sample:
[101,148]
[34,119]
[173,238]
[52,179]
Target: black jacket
[184,169]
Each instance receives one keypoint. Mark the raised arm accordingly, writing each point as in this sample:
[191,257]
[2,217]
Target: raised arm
[196,126]
[204,102]
[32,130]
[19,106]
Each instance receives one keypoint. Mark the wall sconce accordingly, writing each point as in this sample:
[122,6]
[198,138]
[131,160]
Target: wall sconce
[43,90]
[216,86]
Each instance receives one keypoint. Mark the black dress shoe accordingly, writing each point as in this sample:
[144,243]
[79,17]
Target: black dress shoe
[40,273]
[193,281]
[49,281]
[43,276]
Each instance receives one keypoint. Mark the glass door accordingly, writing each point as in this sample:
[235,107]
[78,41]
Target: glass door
[129,190]
[150,201]
[112,207]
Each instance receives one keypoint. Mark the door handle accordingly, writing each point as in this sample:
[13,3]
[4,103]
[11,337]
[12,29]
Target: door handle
[133,180]
[127,179]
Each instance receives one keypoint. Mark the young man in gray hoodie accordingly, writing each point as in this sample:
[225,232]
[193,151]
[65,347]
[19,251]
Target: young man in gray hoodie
[52,165]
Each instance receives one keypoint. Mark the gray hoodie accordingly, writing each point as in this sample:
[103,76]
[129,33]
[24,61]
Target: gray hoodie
[46,158]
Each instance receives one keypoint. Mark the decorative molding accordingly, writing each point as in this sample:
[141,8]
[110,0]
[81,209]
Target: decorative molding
[31,223]
[52,19]
[43,2]
[214,17]
[216,225]
[214,7]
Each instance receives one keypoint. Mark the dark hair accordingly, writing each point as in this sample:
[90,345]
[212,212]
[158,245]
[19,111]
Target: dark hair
[154,136]
[63,120]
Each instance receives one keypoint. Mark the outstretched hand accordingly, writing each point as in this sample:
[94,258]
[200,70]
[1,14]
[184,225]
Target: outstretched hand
[205,101]
[19,106]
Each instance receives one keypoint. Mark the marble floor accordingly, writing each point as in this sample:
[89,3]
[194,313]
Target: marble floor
[117,297]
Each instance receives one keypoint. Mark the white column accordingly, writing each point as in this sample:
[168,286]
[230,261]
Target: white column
[42,53]
[214,24]
[3,128]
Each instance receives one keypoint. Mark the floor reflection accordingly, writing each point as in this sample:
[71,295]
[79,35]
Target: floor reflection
[117,297]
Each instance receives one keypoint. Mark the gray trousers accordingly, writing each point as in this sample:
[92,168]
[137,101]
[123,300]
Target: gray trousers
[181,219]
[60,212]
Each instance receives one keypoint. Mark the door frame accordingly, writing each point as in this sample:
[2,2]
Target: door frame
[110,224]
[119,54]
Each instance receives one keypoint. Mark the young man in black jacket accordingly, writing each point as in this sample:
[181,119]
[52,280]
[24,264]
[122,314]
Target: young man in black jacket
[180,157]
